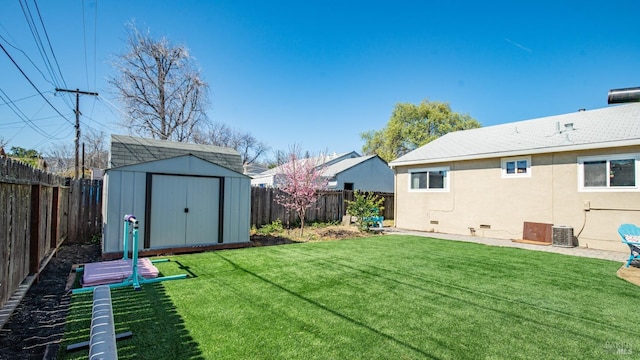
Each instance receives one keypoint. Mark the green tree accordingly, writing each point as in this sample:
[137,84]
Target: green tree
[364,206]
[28,156]
[412,126]
[20,152]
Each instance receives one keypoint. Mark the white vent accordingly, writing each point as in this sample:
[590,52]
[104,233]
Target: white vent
[563,236]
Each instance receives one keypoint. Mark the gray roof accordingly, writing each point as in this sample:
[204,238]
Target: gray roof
[345,164]
[128,150]
[613,126]
[327,160]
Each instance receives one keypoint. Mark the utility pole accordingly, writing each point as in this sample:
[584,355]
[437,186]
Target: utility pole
[77,139]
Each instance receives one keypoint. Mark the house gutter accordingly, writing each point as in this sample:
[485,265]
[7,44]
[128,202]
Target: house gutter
[546,150]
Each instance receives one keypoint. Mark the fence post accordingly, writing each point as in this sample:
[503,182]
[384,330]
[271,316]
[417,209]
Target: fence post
[34,241]
[54,217]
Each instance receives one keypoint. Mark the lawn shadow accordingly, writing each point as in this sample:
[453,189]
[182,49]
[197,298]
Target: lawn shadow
[268,240]
[184,268]
[334,312]
[158,330]
[443,289]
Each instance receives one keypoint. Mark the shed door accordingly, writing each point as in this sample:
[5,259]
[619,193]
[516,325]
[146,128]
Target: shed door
[184,211]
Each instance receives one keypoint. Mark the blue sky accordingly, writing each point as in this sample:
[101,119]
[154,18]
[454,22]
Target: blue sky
[318,73]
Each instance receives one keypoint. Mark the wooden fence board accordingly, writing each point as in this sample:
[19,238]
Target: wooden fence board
[38,211]
[331,206]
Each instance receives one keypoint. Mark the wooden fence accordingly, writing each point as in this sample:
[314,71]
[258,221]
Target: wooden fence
[331,206]
[39,211]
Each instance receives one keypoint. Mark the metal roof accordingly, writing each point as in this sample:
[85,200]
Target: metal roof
[129,150]
[323,160]
[345,164]
[600,128]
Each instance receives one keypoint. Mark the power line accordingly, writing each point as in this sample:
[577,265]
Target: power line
[95,42]
[4,124]
[32,84]
[36,37]
[40,45]
[48,136]
[77,138]
[84,42]
[24,98]
[95,45]
[22,116]
[28,58]
[55,59]
[44,141]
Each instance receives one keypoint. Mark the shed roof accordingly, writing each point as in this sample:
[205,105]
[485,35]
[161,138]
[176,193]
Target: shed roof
[129,150]
[601,128]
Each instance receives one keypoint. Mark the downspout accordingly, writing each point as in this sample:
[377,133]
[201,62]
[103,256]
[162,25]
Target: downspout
[395,197]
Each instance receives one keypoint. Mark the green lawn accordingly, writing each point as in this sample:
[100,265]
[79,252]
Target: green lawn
[384,297]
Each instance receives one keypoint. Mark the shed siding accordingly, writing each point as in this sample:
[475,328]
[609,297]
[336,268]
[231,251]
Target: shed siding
[236,228]
[126,193]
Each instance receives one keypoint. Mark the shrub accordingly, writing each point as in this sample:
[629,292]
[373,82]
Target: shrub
[364,205]
[274,227]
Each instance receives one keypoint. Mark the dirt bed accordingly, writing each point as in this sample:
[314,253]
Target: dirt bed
[37,324]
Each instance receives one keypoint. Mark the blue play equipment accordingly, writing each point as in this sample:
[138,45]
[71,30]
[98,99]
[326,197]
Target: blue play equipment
[375,220]
[631,236]
[135,280]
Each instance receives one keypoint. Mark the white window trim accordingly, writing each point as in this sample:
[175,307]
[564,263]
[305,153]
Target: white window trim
[446,179]
[583,159]
[503,167]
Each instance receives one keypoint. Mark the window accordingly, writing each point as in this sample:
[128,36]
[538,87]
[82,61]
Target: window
[432,179]
[516,167]
[608,173]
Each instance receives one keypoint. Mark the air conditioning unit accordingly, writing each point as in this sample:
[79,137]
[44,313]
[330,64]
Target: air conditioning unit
[562,236]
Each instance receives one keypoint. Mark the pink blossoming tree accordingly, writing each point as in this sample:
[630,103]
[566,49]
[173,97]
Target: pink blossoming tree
[299,181]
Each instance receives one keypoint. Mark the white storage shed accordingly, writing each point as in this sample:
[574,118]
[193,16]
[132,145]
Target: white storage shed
[185,196]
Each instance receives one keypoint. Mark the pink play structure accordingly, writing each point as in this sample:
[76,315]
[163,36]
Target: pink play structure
[115,271]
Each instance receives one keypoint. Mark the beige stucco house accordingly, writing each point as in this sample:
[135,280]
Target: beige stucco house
[579,170]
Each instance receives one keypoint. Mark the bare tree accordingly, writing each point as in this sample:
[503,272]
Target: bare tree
[277,158]
[61,159]
[160,86]
[3,142]
[219,134]
[95,147]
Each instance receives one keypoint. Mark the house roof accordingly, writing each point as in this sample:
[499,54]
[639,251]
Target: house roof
[128,150]
[337,168]
[601,128]
[326,160]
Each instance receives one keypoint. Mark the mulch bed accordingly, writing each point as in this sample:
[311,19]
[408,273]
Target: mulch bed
[37,325]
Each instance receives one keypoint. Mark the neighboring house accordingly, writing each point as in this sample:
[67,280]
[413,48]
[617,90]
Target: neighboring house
[184,195]
[367,173]
[579,170]
[253,169]
[348,171]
